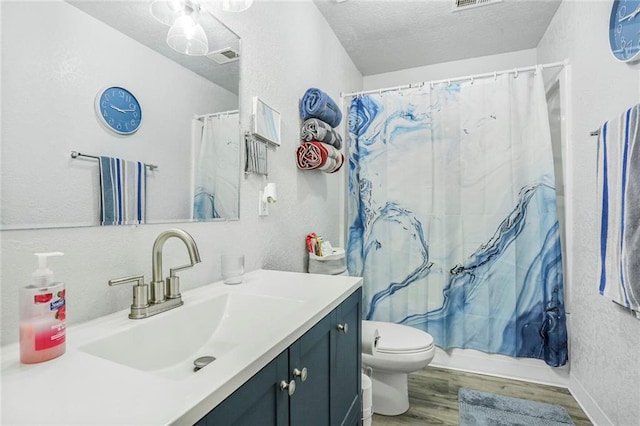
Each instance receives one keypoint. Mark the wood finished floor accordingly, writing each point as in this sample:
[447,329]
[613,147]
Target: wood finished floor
[433,397]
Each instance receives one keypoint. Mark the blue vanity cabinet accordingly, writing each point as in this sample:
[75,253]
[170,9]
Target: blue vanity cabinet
[310,359]
[328,357]
[346,363]
[258,402]
[331,354]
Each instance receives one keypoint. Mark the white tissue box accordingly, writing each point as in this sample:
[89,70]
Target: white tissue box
[330,264]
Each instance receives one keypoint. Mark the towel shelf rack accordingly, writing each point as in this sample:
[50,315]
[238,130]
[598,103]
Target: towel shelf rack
[76,154]
[256,155]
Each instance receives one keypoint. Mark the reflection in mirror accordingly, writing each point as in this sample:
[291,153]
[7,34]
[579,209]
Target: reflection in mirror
[51,78]
[215,166]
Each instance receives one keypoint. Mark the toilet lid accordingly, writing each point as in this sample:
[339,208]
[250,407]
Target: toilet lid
[395,338]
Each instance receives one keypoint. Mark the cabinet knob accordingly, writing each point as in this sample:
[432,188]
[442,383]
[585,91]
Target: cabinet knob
[302,374]
[344,328]
[289,387]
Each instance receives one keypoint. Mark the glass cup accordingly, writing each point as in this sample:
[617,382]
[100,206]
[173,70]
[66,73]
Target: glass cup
[232,268]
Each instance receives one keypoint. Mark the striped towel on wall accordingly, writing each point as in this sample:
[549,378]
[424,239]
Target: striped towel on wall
[123,191]
[618,198]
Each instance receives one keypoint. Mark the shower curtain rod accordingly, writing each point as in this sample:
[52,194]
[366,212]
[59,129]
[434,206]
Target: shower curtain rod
[216,114]
[494,74]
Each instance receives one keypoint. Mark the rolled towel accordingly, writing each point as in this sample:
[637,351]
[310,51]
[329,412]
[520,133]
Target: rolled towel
[317,104]
[315,129]
[317,155]
[309,157]
[332,164]
[370,337]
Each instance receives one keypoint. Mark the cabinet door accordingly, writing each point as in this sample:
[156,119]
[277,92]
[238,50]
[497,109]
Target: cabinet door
[346,362]
[310,404]
[258,402]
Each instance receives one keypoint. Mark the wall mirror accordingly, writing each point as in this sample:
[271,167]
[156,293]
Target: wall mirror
[57,57]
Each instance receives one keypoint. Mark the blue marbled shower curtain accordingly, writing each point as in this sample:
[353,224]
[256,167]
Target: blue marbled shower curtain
[452,215]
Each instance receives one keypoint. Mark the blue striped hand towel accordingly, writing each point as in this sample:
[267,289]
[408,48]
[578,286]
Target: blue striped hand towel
[618,198]
[123,186]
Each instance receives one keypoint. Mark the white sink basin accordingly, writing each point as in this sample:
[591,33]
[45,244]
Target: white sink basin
[168,343]
[148,363]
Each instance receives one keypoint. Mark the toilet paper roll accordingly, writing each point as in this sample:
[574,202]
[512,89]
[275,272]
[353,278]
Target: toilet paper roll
[370,337]
[270,193]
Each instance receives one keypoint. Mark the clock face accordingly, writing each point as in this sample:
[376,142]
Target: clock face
[119,110]
[624,29]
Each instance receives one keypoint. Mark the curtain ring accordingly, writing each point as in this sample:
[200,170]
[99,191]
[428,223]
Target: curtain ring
[495,75]
[516,74]
[432,85]
[449,83]
[471,80]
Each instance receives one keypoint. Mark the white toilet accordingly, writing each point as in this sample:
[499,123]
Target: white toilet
[400,350]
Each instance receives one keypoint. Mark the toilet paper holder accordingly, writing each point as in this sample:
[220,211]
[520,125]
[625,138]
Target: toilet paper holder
[269,195]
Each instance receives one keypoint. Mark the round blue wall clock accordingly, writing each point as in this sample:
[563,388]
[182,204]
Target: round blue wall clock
[119,110]
[624,30]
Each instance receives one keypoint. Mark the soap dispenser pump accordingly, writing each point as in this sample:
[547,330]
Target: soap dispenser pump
[42,315]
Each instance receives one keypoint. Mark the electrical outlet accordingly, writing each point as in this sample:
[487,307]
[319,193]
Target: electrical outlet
[263,206]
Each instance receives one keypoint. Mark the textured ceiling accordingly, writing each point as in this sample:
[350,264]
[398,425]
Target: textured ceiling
[384,36]
[379,36]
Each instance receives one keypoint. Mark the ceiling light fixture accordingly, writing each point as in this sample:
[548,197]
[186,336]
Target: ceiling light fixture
[186,35]
[236,5]
[167,11]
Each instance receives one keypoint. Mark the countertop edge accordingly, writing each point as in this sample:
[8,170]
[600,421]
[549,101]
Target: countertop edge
[76,400]
[217,396]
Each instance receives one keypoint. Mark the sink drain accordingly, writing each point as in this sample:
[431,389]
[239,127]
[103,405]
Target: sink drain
[202,362]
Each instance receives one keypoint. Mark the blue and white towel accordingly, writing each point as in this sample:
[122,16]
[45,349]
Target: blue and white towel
[123,191]
[618,199]
[317,104]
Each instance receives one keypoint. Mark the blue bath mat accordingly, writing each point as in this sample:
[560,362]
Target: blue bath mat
[487,409]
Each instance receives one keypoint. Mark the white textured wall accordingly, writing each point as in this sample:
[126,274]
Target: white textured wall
[605,340]
[286,48]
[51,74]
[461,68]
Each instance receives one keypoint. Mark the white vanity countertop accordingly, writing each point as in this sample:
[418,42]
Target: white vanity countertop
[81,389]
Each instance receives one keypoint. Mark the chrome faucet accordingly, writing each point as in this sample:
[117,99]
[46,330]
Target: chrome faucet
[160,292]
[162,295]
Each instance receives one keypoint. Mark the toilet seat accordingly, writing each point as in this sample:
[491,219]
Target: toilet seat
[400,349]
[400,339]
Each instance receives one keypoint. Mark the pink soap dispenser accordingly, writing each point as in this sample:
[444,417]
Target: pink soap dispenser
[42,315]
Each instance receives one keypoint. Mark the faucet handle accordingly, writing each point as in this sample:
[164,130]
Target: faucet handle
[139,279]
[172,271]
[173,282]
[140,289]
